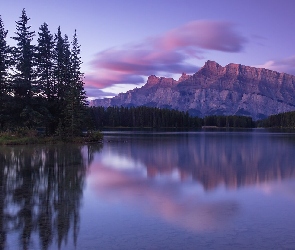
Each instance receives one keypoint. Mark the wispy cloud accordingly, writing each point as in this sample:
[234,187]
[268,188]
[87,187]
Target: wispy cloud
[93,92]
[170,53]
[204,34]
[285,65]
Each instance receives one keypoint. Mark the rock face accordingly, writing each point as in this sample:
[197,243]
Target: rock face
[215,90]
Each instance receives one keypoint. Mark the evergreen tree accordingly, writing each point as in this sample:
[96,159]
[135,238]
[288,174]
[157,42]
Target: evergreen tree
[23,58]
[45,76]
[61,68]
[4,82]
[44,59]
[4,60]
[75,97]
[67,67]
[47,87]
[61,64]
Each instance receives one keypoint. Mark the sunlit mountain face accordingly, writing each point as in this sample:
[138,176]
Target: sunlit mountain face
[234,89]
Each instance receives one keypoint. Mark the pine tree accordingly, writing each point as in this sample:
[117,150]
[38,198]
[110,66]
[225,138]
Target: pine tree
[58,60]
[61,64]
[67,67]
[59,72]
[47,87]
[4,81]
[4,60]
[44,60]
[23,58]
[75,101]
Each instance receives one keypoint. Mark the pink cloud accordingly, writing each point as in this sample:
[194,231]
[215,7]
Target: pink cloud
[141,62]
[169,53]
[106,78]
[204,34]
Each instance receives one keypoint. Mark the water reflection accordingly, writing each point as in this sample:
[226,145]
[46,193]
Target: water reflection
[182,178]
[150,191]
[214,159]
[182,204]
[41,191]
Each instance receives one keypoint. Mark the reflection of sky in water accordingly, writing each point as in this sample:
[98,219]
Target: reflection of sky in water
[120,162]
[179,203]
[176,191]
[249,204]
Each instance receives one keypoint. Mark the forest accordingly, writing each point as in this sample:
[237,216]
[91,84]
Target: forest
[41,84]
[161,118]
[282,120]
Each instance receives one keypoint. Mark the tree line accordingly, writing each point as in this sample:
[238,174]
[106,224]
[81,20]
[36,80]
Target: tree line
[160,118]
[282,120]
[41,84]
[232,121]
[141,117]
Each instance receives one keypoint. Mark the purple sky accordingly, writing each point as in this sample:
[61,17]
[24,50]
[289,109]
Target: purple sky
[123,42]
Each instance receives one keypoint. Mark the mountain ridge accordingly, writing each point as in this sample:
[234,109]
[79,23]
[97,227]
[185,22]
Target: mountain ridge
[234,89]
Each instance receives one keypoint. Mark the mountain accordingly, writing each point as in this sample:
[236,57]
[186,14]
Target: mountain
[215,90]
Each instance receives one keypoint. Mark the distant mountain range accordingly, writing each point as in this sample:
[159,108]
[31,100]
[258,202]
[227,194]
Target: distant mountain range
[215,90]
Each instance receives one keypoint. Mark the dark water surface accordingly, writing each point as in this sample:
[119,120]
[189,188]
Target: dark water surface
[151,190]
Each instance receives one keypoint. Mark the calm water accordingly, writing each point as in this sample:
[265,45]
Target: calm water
[177,190]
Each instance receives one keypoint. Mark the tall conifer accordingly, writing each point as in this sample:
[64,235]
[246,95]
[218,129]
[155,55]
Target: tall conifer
[44,60]
[47,87]
[23,58]
[77,98]
[4,60]
[4,81]
[74,108]
[59,64]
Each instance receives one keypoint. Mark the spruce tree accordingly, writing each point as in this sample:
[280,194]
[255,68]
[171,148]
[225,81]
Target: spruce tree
[4,81]
[58,66]
[4,60]
[61,51]
[44,83]
[75,98]
[77,83]
[67,67]
[44,61]
[23,60]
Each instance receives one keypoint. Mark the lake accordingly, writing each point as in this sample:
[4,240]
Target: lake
[151,190]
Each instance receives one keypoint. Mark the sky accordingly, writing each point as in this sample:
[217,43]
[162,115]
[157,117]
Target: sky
[125,41]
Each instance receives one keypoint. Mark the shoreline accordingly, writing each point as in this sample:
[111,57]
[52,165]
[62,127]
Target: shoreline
[13,139]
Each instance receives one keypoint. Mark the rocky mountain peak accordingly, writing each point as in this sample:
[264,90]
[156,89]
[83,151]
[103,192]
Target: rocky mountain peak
[233,69]
[216,90]
[160,82]
[212,65]
[152,80]
[211,68]
[183,77]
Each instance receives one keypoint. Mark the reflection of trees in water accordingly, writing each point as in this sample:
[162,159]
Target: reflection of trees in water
[41,190]
[213,159]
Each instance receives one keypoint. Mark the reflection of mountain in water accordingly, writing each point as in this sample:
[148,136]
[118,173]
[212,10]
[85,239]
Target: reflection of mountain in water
[232,159]
[41,188]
